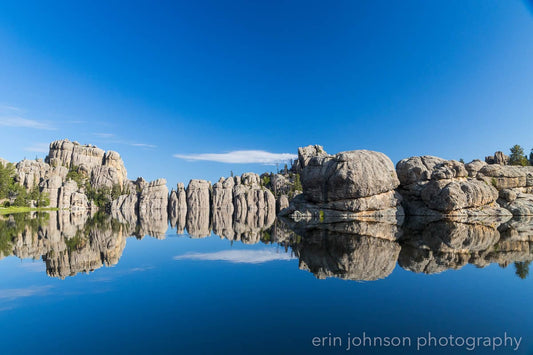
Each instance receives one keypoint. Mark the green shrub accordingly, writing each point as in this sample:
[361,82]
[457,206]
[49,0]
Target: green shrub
[74,175]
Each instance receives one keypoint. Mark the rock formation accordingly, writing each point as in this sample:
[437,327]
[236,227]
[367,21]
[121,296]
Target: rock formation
[435,187]
[349,185]
[153,207]
[497,158]
[177,208]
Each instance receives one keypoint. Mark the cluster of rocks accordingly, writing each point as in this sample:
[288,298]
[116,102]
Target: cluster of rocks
[363,185]
[94,165]
[238,208]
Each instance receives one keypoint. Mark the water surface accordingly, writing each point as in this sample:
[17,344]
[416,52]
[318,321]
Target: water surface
[72,284]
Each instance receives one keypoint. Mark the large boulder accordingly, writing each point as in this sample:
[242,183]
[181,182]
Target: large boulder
[348,185]
[348,175]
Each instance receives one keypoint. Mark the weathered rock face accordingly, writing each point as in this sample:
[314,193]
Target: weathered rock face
[198,208]
[505,177]
[305,154]
[3,162]
[198,194]
[282,203]
[31,172]
[431,186]
[125,208]
[515,186]
[449,195]
[178,208]
[153,207]
[254,205]
[348,175]
[348,185]
[223,194]
[72,154]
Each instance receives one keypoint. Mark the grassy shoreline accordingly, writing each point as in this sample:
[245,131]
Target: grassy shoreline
[18,209]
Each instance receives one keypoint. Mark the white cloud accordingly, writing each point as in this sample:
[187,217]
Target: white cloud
[237,256]
[241,156]
[15,293]
[38,148]
[24,123]
[143,145]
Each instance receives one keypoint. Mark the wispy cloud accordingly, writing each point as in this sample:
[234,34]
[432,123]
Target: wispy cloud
[11,294]
[237,256]
[24,123]
[10,108]
[38,148]
[241,156]
[143,145]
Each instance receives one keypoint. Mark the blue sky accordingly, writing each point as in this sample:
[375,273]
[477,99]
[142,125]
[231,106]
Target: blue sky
[451,78]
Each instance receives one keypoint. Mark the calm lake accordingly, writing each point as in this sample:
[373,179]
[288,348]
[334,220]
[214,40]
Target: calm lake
[73,284]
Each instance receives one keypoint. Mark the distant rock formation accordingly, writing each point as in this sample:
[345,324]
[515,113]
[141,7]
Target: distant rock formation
[497,158]
[235,207]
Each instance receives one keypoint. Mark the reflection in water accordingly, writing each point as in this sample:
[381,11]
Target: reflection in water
[71,243]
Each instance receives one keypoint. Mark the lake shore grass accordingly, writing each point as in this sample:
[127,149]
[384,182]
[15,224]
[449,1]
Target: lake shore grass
[19,209]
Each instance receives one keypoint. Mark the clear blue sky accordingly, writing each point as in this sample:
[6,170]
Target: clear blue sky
[451,78]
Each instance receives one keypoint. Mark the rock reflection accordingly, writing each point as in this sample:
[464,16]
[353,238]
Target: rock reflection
[72,243]
[67,243]
[443,245]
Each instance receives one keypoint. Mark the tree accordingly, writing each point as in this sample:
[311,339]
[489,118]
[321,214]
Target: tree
[531,157]
[517,156]
[297,183]
[522,269]
[7,174]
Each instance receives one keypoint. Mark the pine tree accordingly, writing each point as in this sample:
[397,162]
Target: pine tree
[517,156]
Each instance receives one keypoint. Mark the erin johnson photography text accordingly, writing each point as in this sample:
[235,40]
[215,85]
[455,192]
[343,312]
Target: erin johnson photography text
[353,342]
